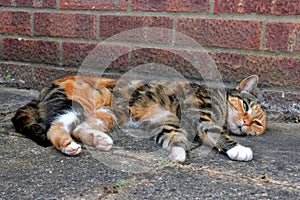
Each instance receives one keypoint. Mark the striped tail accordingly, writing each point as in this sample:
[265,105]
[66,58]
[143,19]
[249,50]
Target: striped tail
[28,122]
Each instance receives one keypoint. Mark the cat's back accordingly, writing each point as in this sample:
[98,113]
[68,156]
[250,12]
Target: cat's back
[90,93]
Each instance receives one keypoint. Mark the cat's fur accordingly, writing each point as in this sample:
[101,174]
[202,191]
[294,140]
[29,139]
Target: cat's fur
[176,113]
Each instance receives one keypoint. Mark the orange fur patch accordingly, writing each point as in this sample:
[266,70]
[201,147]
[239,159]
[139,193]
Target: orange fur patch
[58,136]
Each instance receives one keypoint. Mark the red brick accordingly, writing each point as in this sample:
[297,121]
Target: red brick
[22,73]
[286,102]
[171,5]
[45,75]
[282,37]
[249,6]
[101,57]
[75,53]
[94,4]
[35,4]
[114,24]
[39,76]
[5,2]
[287,7]
[282,7]
[14,22]
[221,33]
[65,25]
[172,63]
[30,50]
[169,62]
[272,71]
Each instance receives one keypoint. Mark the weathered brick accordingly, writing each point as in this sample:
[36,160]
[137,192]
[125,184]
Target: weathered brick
[287,7]
[74,53]
[285,101]
[114,24]
[65,25]
[170,63]
[272,71]
[108,57]
[221,33]
[171,5]
[249,6]
[36,77]
[14,22]
[30,50]
[282,37]
[94,4]
[45,75]
[22,74]
[5,2]
[35,4]
[282,7]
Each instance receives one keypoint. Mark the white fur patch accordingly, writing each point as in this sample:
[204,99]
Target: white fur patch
[104,110]
[165,144]
[83,125]
[101,140]
[178,154]
[100,122]
[160,115]
[67,119]
[133,124]
[240,153]
[72,149]
[108,111]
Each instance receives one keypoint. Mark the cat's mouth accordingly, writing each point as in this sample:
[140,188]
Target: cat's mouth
[241,130]
[238,130]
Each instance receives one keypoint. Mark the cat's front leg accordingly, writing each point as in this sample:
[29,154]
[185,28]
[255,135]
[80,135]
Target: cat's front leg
[174,140]
[240,153]
[213,135]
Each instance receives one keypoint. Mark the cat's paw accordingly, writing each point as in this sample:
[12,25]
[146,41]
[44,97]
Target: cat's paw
[240,153]
[71,149]
[102,141]
[178,154]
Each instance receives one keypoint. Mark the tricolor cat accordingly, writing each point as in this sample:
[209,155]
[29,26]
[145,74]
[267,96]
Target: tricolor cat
[77,108]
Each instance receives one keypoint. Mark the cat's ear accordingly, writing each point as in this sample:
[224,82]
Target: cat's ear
[248,84]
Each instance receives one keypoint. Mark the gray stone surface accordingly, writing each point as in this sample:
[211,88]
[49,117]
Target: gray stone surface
[140,169]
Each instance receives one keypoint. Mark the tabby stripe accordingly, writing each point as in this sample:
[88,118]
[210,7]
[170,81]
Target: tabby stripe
[51,90]
[166,129]
[158,136]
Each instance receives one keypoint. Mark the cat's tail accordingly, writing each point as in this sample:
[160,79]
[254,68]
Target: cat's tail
[28,122]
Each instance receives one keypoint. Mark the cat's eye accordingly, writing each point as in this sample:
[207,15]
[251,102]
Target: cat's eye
[257,123]
[245,106]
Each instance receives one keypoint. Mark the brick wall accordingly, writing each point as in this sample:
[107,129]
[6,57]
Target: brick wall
[41,40]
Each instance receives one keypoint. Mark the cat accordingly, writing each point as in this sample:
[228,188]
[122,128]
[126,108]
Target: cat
[176,113]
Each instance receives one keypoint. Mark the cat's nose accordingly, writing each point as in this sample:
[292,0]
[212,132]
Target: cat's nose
[245,122]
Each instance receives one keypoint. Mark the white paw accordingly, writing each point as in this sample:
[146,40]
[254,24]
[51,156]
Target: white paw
[72,149]
[178,154]
[102,141]
[240,153]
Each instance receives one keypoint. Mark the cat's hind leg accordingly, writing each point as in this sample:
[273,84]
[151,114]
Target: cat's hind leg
[93,130]
[59,133]
[93,137]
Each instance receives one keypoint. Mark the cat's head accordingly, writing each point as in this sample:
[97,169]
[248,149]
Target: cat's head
[245,115]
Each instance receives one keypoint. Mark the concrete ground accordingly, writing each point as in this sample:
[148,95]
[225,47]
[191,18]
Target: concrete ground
[138,169]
